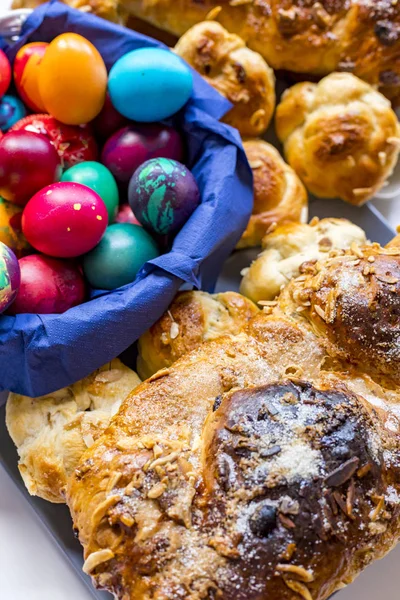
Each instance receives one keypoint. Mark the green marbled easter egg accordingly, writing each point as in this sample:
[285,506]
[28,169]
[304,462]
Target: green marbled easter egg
[163,194]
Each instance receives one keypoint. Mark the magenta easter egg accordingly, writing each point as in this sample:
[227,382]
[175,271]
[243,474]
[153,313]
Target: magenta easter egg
[131,146]
[48,286]
[65,220]
[28,162]
[9,277]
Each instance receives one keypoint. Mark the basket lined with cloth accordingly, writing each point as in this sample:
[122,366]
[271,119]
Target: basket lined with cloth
[41,353]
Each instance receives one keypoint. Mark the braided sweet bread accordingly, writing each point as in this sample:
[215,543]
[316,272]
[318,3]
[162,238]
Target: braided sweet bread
[305,36]
[261,465]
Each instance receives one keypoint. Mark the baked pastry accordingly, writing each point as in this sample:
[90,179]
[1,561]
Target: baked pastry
[340,136]
[356,36]
[52,432]
[262,465]
[290,245]
[279,194]
[112,10]
[192,318]
[239,74]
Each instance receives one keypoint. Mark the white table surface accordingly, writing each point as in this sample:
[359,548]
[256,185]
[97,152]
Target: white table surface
[33,568]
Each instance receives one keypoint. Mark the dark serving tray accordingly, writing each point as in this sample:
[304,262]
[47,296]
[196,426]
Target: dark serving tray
[55,517]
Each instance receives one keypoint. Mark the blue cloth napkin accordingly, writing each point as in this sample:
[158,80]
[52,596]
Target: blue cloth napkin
[41,353]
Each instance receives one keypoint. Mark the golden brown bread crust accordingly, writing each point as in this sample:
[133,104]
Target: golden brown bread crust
[290,245]
[279,194]
[112,10]
[239,74]
[357,36]
[259,465]
[52,432]
[340,136]
[353,300]
[192,318]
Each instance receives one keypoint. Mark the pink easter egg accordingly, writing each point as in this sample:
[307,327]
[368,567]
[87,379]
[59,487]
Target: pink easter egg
[48,286]
[64,219]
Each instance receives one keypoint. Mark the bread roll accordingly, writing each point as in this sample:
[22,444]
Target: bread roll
[289,246]
[239,74]
[279,194]
[52,432]
[192,318]
[340,136]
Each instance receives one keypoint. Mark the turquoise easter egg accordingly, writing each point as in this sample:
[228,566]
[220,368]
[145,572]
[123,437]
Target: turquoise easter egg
[10,277]
[119,256]
[149,84]
[97,177]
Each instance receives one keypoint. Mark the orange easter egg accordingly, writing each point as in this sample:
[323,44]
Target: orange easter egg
[26,71]
[72,79]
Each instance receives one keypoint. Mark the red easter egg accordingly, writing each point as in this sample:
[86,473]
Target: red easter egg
[28,162]
[74,143]
[5,73]
[108,121]
[65,220]
[26,69]
[48,286]
[125,215]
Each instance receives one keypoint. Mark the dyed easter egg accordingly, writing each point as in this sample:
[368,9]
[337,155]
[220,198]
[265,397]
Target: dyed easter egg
[74,143]
[11,111]
[120,255]
[26,74]
[5,73]
[131,146]
[149,84]
[163,194]
[48,286]
[9,277]
[108,121]
[125,215]
[98,178]
[65,220]
[11,228]
[72,79]
[28,162]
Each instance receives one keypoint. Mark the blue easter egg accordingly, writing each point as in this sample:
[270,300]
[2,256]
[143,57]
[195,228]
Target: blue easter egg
[11,111]
[119,256]
[149,84]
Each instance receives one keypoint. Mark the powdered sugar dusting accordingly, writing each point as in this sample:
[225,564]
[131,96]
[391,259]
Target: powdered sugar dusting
[297,461]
